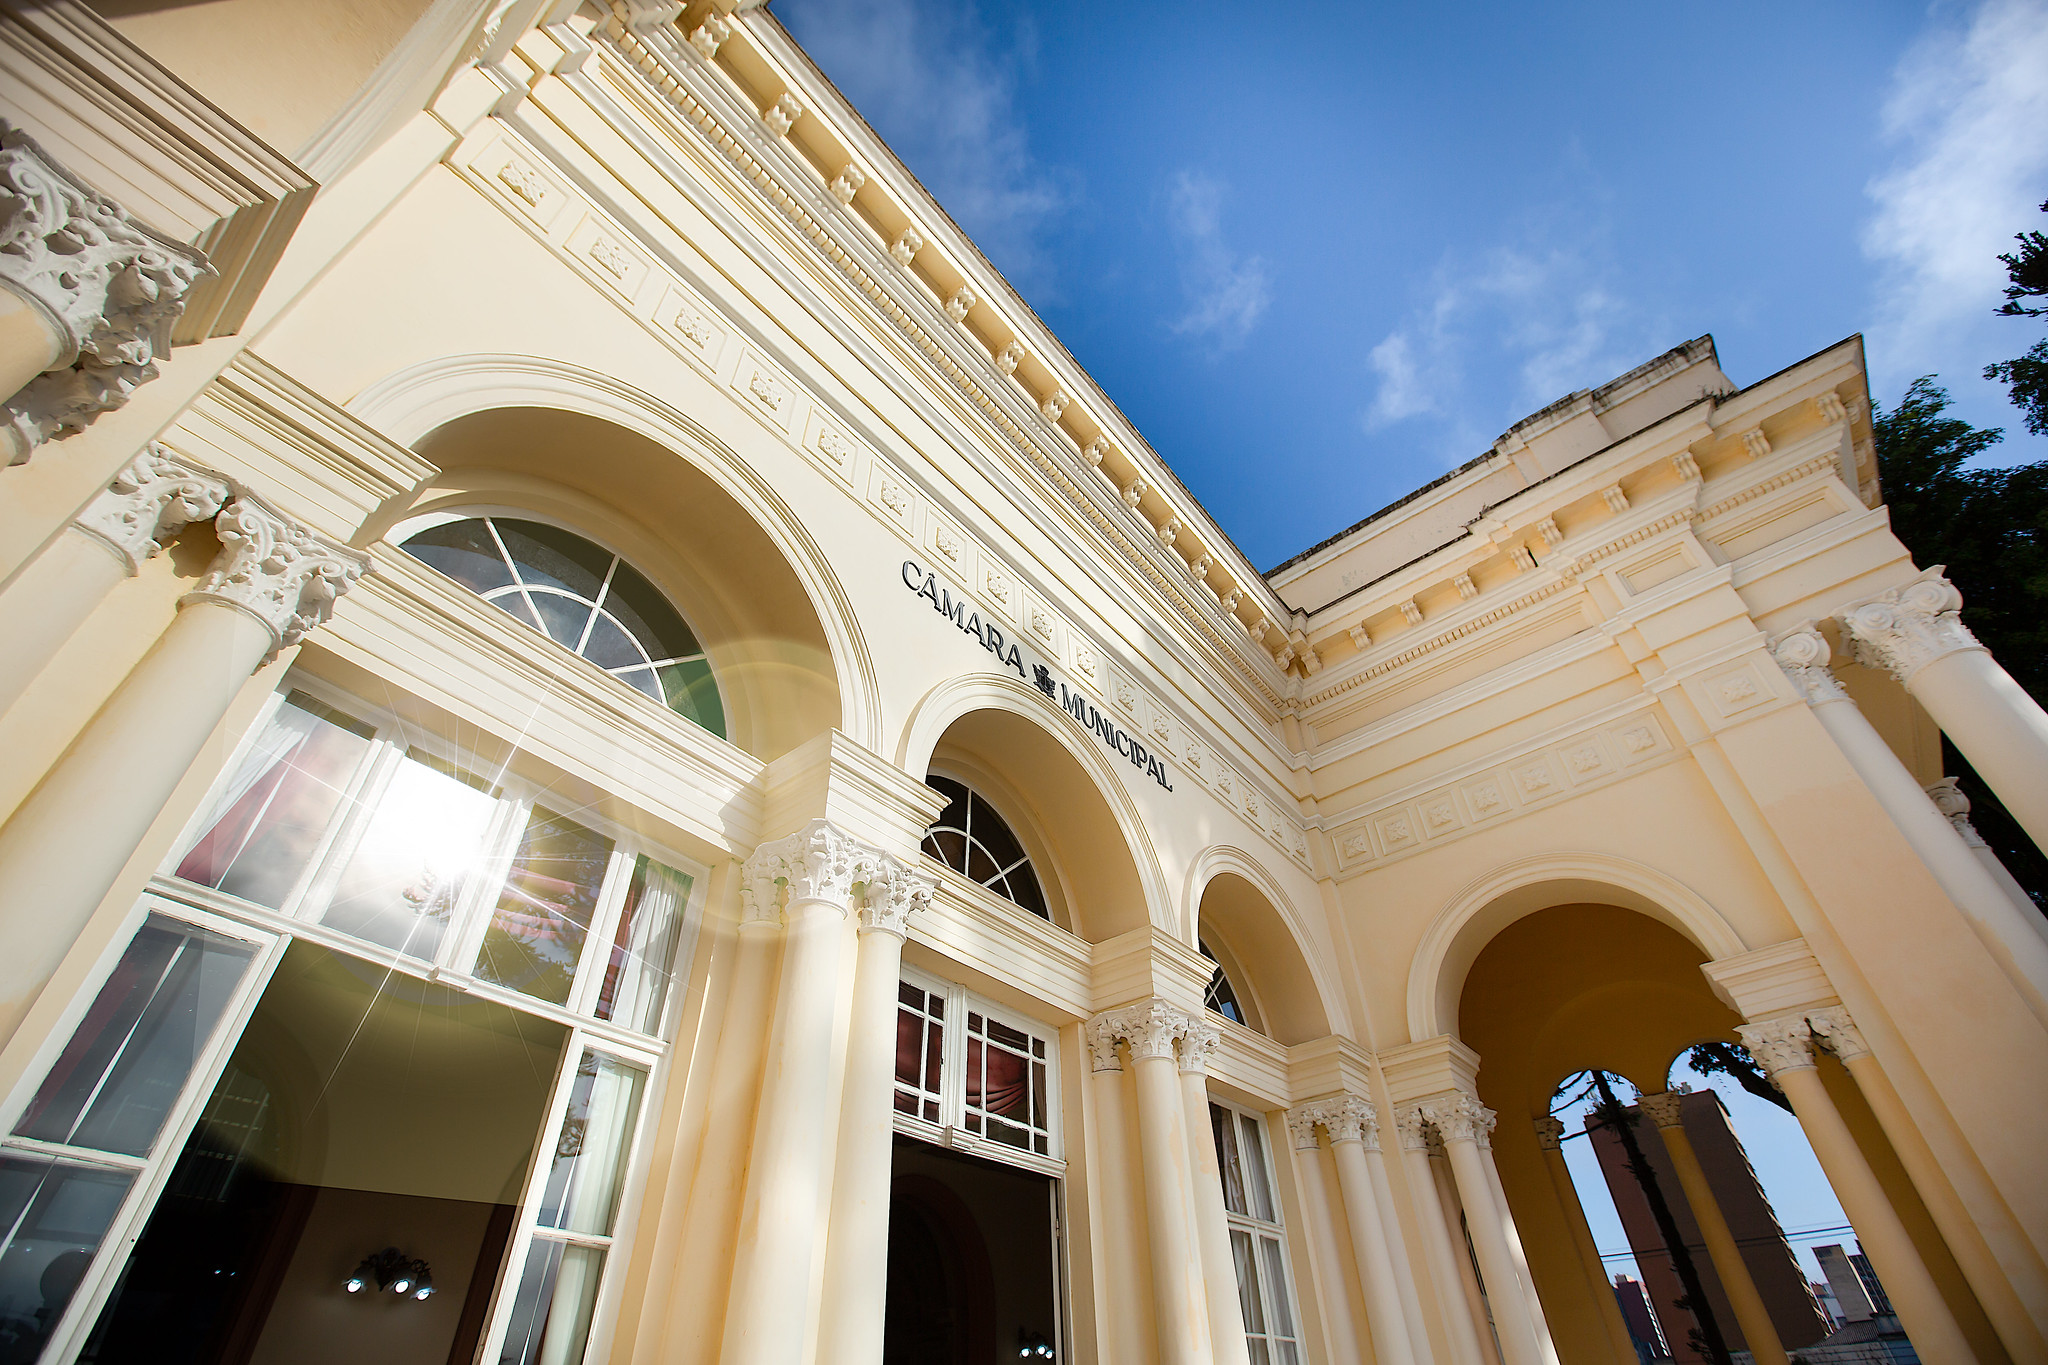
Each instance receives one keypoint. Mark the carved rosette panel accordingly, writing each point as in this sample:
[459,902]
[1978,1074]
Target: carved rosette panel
[277,571]
[149,502]
[1779,1044]
[109,286]
[1804,655]
[1907,629]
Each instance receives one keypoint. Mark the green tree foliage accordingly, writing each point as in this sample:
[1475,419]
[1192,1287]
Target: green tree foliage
[1990,527]
[2026,378]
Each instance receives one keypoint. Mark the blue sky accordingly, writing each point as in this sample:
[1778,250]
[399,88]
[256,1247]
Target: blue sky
[1340,248]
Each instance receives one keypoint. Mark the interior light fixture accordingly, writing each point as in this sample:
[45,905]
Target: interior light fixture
[1033,1346]
[405,1276]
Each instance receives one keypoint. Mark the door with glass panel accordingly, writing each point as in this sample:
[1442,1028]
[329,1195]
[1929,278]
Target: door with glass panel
[1258,1243]
[416,1138]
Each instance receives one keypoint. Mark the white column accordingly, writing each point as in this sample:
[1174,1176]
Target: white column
[766,1316]
[1550,1137]
[1784,1048]
[2015,943]
[1118,1283]
[1354,1126]
[857,1239]
[1180,1307]
[147,504]
[1459,1323]
[1397,1247]
[1527,1277]
[273,582]
[1917,634]
[1993,1280]
[1336,1295]
[1954,804]
[1212,1223]
[1759,1333]
[1463,1123]
[87,299]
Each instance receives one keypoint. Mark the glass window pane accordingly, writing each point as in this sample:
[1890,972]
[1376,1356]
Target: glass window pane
[1257,1185]
[564,617]
[645,613]
[1225,1133]
[55,1215]
[465,552]
[1282,1316]
[637,978]
[582,1191]
[690,692]
[408,869]
[1248,1297]
[551,1312]
[536,935]
[548,556]
[118,1077]
[611,647]
[267,817]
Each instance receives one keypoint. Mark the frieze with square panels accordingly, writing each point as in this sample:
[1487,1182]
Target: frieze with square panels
[766,391]
[601,250]
[831,449]
[1502,790]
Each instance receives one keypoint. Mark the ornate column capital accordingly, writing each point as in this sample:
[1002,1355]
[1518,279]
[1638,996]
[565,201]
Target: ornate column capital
[1664,1109]
[277,571]
[1839,1032]
[149,502]
[817,863]
[760,889]
[1102,1038]
[1413,1125]
[1949,799]
[1549,1132]
[1197,1045]
[1150,1028]
[107,285]
[1301,1126]
[1458,1117]
[890,896]
[1908,628]
[1779,1044]
[1352,1118]
[1803,654]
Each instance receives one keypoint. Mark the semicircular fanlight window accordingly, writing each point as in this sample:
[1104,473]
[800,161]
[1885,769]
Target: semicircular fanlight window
[584,598]
[973,840]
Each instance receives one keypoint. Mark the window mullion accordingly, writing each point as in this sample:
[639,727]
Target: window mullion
[604,920]
[470,916]
[596,606]
[953,1063]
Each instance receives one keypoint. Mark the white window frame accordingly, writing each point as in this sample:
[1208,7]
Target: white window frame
[1260,1230]
[153,1171]
[951,1129]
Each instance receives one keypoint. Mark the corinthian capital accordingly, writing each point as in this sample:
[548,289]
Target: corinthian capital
[1804,655]
[1198,1044]
[1839,1032]
[277,571]
[1351,1118]
[1413,1125]
[1150,1028]
[1301,1126]
[1549,1132]
[1910,627]
[149,502]
[1458,1117]
[107,286]
[817,863]
[1949,799]
[892,894]
[1664,1110]
[1779,1045]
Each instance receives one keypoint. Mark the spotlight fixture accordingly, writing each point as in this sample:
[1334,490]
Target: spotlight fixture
[405,1276]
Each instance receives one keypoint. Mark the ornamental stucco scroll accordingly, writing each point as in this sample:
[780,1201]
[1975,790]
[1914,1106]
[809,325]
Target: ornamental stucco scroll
[277,571]
[149,502]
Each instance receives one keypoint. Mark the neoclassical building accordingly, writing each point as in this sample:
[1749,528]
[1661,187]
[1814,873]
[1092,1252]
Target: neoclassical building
[614,756]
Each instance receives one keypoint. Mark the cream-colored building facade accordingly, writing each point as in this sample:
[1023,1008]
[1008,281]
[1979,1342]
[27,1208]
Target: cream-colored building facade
[509,505]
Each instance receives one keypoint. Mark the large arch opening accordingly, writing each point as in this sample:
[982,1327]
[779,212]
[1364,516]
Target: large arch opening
[1260,956]
[692,540]
[1079,848]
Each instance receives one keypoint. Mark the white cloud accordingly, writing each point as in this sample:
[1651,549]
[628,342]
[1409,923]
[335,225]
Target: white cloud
[1226,290]
[1968,111]
[936,84]
[1538,311]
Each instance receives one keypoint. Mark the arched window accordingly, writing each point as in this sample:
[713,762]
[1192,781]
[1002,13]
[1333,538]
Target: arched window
[973,840]
[584,598]
[1221,996]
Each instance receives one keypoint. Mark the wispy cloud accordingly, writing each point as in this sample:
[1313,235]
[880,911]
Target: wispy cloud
[1225,290]
[1968,112]
[936,83]
[1538,310]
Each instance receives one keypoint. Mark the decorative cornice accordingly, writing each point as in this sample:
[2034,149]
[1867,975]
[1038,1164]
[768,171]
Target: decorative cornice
[149,502]
[277,571]
[1803,654]
[1909,628]
[1839,1032]
[109,287]
[1458,1117]
[1779,1045]
[1664,1110]
[891,895]
[1949,799]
